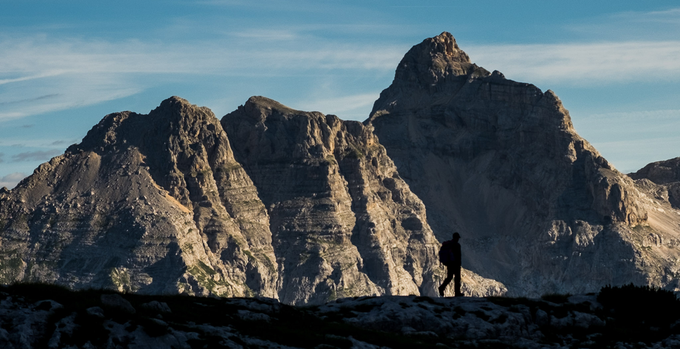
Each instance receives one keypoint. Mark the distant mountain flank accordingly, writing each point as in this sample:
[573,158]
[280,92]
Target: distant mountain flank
[539,209]
[666,174]
[306,208]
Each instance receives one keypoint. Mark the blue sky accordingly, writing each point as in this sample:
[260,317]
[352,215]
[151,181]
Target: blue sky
[65,64]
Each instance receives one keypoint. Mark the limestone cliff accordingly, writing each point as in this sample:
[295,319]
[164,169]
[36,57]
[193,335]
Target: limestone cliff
[158,204]
[146,203]
[343,221]
[666,174]
[538,208]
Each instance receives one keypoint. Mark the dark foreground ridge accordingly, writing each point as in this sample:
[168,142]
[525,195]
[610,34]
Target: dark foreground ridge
[42,316]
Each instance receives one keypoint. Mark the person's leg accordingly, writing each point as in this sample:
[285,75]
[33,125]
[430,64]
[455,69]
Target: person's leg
[456,281]
[449,277]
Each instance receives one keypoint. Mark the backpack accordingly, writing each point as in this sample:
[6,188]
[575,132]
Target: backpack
[446,254]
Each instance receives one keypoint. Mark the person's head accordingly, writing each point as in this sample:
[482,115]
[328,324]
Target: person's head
[456,236]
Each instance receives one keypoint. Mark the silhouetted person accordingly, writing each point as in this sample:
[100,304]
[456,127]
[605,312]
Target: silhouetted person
[449,254]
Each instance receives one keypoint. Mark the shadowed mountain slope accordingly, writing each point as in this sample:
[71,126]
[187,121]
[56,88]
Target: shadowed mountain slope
[538,208]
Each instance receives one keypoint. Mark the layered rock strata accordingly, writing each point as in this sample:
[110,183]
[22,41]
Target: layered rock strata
[158,204]
[343,221]
[146,203]
[538,208]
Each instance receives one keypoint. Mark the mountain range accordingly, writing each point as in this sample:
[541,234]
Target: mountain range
[307,208]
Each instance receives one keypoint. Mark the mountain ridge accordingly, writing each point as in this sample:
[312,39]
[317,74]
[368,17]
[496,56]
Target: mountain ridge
[158,203]
[305,207]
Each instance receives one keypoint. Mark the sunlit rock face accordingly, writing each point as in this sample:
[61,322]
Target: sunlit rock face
[343,221]
[146,203]
[499,161]
[158,204]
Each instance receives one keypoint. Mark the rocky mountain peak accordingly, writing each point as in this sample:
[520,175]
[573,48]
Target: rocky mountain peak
[174,116]
[500,161]
[435,59]
[150,203]
[175,101]
[260,107]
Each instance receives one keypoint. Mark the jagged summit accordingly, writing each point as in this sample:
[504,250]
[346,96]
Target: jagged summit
[146,203]
[264,103]
[175,100]
[259,109]
[436,59]
[499,161]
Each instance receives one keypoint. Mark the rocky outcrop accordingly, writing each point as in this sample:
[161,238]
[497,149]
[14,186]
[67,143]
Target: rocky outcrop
[343,221]
[538,208]
[158,204]
[146,203]
[666,174]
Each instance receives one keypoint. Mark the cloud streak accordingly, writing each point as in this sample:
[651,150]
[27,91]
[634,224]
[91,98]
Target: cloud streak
[41,75]
[583,63]
[632,139]
[72,73]
[38,155]
[347,107]
[11,180]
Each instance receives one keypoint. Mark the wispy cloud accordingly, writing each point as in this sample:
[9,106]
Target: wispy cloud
[40,73]
[37,58]
[611,48]
[632,25]
[643,115]
[2,155]
[50,75]
[63,142]
[11,180]
[632,155]
[30,77]
[35,99]
[583,63]
[632,139]
[267,34]
[346,106]
[38,155]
